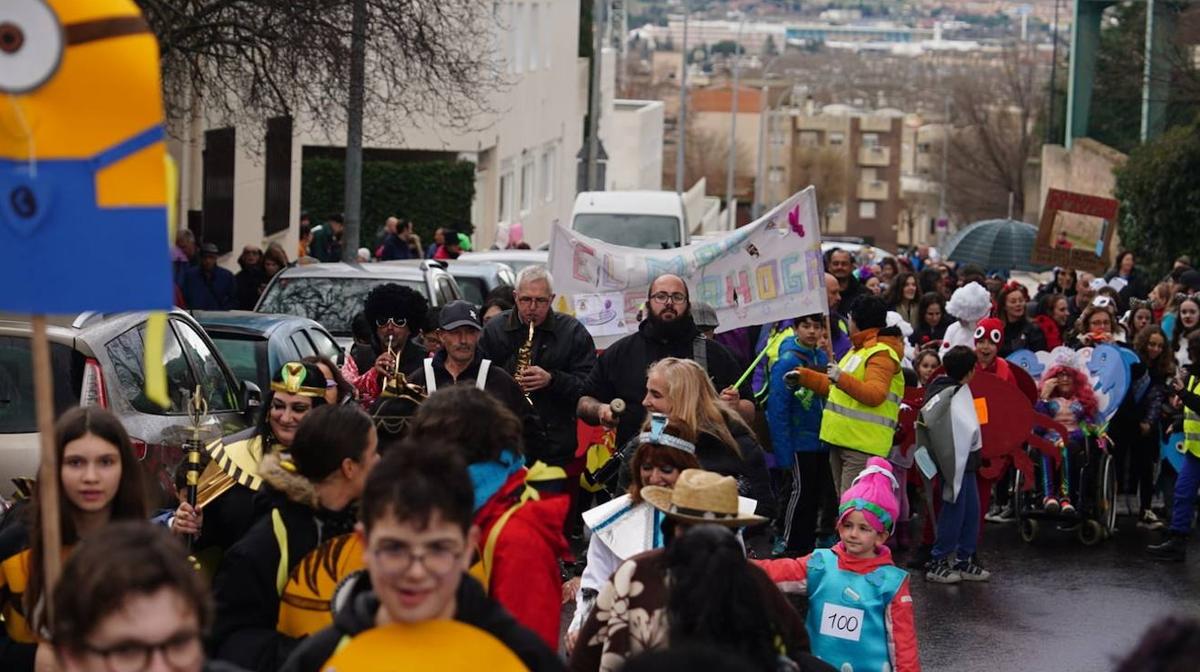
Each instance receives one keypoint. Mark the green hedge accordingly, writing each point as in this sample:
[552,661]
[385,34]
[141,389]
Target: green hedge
[430,193]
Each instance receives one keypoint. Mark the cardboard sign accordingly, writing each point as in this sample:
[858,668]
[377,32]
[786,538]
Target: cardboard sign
[1075,231]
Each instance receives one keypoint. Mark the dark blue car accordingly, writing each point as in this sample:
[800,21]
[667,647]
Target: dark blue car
[255,345]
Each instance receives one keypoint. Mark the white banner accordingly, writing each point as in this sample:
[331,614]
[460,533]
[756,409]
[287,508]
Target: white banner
[766,271]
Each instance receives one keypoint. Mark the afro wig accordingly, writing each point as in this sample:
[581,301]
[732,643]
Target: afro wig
[398,303]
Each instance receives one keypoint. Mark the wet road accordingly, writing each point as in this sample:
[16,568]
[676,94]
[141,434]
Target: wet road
[1053,605]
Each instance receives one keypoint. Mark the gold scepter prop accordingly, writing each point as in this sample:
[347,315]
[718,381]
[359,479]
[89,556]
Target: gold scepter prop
[197,410]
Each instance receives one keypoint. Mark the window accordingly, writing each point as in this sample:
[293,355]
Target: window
[778,138]
[509,26]
[810,139]
[506,196]
[526,186]
[331,301]
[535,31]
[866,209]
[836,138]
[18,412]
[520,35]
[870,139]
[218,389]
[546,35]
[445,290]
[775,175]
[326,347]
[303,347]
[548,174]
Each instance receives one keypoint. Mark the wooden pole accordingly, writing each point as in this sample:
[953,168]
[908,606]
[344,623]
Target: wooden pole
[47,487]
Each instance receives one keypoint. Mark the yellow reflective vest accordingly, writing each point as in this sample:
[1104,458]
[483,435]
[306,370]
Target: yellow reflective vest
[849,423]
[1191,422]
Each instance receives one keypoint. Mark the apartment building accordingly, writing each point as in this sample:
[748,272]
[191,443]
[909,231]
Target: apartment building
[243,182]
[854,155]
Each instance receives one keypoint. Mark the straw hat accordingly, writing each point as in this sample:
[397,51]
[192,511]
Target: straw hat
[701,497]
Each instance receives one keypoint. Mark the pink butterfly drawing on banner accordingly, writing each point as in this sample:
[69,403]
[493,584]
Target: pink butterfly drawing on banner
[794,221]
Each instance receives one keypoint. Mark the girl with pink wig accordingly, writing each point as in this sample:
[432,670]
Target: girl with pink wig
[1066,396]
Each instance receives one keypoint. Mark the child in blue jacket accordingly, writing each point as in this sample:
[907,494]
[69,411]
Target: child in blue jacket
[794,418]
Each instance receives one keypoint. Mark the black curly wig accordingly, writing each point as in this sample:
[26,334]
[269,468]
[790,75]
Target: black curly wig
[396,302]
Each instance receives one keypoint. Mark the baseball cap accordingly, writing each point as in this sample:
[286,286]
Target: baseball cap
[704,315]
[459,314]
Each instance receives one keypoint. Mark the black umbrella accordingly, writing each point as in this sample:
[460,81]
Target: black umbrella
[995,244]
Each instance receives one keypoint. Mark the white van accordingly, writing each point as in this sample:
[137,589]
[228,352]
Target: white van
[652,220]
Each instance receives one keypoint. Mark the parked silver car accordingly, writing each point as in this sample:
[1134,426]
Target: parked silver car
[334,293]
[97,359]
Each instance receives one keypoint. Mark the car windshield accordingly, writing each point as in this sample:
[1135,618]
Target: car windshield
[473,289]
[17,408]
[331,301]
[247,357]
[649,232]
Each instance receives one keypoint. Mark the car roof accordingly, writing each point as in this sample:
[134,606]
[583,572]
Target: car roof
[408,269]
[475,268]
[532,256]
[249,323]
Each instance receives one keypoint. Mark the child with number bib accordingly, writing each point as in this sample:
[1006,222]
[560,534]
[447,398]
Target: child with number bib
[860,612]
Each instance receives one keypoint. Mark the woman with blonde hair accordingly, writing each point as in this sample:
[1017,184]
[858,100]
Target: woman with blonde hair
[725,444]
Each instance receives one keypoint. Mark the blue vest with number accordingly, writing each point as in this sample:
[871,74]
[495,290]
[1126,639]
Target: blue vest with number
[846,613]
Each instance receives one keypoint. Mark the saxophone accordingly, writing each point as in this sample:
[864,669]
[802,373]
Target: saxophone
[525,357]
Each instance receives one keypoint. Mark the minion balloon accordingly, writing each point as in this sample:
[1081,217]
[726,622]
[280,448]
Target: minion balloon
[83,190]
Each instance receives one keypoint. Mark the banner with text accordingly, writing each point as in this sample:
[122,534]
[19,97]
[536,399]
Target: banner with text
[765,271]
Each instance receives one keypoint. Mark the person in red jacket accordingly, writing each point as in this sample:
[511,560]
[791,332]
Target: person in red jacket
[521,539]
[860,612]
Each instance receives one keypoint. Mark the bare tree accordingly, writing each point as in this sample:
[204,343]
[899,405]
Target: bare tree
[993,113]
[823,168]
[254,59]
[708,156]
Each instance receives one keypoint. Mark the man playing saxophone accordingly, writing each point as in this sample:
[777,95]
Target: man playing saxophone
[550,355]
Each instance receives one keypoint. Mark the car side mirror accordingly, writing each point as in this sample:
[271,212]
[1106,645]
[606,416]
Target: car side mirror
[251,398]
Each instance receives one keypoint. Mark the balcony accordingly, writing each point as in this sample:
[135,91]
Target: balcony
[877,157]
[875,190]
[871,124]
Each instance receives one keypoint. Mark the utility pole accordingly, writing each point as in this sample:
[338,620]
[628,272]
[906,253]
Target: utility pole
[593,177]
[681,124]
[731,168]
[354,131]
[1050,119]
[760,187]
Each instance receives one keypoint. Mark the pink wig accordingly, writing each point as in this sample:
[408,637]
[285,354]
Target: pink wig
[1083,388]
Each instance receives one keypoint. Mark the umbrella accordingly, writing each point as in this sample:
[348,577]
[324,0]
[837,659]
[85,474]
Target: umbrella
[995,244]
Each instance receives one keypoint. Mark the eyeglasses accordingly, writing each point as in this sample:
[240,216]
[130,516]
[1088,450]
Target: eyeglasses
[182,650]
[664,297]
[400,324]
[531,300]
[397,559]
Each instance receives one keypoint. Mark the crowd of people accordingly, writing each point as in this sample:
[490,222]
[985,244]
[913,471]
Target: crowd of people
[657,502]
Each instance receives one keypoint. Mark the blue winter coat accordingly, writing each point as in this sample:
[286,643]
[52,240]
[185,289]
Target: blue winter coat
[794,414]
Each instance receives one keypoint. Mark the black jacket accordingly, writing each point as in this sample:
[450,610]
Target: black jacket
[620,371]
[247,599]
[750,469]
[473,607]
[561,346]
[1023,335]
[249,283]
[500,385]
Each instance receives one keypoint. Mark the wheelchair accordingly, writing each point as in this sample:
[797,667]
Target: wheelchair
[1095,517]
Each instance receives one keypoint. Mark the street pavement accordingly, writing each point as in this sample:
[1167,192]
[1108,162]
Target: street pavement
[1053,605]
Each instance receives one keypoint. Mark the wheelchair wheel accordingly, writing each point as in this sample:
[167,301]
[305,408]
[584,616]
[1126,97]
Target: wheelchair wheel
[1091,532]
[1028,528]
[1106,500]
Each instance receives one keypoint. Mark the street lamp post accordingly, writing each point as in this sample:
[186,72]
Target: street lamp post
[731,167]
[681,123]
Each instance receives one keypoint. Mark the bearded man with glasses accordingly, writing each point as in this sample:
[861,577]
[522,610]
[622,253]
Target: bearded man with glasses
[667,331]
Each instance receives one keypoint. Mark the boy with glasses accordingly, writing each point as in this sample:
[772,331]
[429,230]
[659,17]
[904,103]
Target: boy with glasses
[129,600]
[416,527]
